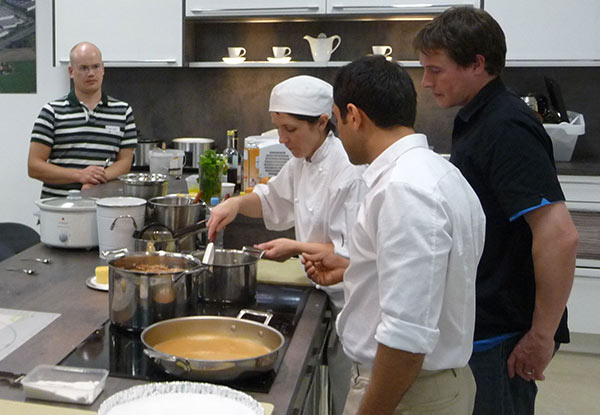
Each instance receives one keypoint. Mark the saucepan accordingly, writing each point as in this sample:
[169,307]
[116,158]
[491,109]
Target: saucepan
[146,287]
[231,277]
[214,348]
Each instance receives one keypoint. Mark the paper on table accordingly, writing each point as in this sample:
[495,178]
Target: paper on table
[18,326]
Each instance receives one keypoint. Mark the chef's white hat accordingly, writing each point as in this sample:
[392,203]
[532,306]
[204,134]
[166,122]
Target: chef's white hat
[302,95]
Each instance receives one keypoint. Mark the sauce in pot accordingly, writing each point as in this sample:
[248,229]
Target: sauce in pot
[212,347]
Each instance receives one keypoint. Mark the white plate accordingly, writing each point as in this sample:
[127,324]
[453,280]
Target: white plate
[180,398]
[285,59]
[93,284]
[238,59]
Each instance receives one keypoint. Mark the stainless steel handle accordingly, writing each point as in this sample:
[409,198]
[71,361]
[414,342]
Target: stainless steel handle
[112,226]
[397,7]
[251,9]
[324,390]
[268,316]
[164,60]
[253,251]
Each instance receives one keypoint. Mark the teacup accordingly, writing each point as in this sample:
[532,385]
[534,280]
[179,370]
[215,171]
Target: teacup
[236,52]
[382,50]
[281,51]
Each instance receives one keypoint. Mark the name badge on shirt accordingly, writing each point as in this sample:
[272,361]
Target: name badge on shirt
[112,129]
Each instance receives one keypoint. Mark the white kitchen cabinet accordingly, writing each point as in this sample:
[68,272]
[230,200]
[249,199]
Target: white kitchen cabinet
[583,304]
[549,30]
[128,32]
[393,6]
[243,8]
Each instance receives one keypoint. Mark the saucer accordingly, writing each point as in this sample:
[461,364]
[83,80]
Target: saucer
[93,284]
[285,59]
[388,58]
[237,59]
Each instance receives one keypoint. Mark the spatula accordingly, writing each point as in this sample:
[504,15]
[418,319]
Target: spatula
[209,254]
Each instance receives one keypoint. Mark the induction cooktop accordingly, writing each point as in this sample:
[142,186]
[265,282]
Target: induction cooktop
[122,352]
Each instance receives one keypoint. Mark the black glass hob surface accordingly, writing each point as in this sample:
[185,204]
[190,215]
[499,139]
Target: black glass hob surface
[122,352]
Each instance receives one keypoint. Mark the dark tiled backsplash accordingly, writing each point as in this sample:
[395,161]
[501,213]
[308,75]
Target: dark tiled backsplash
[205,102]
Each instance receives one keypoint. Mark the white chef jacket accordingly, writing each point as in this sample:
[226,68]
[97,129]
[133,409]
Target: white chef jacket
[319,197]
[413,259]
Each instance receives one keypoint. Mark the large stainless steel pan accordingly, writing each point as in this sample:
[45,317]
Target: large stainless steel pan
[189,328]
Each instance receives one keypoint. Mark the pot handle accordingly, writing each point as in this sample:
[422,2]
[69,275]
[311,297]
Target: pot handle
[268,316]
[179,362]
[111,254]
[253,251]
[112,226]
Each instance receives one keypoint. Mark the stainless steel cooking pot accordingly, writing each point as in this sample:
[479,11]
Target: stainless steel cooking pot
[176,212]
[231,278]
[144,185]
[146,287]
[141,156]
[193,148]
[200,329]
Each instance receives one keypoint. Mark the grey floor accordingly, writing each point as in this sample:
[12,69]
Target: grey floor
[572,385]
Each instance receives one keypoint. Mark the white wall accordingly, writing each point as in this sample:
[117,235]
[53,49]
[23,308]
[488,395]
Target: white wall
[17,114]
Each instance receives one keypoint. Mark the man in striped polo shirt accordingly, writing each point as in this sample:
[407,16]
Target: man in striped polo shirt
[74,136]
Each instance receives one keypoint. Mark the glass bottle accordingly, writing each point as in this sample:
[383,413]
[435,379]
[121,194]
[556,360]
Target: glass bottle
[233,157]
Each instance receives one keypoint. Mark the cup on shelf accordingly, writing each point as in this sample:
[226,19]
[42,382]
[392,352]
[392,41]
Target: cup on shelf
[382,50]
[236,51]
[281,51]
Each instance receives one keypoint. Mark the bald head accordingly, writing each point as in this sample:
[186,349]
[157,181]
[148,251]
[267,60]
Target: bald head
[84,49]
[86,70]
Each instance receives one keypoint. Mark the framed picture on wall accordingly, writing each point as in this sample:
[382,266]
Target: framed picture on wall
[17,47]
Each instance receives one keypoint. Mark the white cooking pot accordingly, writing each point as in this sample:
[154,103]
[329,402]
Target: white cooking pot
[118,219]
[68,222]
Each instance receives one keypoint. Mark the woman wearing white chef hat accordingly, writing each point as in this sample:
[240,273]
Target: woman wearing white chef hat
[318,191]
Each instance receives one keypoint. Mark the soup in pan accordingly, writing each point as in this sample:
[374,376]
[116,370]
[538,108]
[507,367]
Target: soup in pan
[212,347]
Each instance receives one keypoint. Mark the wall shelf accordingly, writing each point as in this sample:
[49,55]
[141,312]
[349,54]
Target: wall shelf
[291,64]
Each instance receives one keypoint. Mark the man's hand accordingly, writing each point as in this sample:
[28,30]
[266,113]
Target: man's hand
[530,356]
[92,175]
[325,268]
[278,249]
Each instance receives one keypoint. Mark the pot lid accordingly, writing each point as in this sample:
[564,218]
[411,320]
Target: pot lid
[73,202]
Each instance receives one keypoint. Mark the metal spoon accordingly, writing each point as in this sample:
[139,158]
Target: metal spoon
[42,260]
[25,270]
[106,162]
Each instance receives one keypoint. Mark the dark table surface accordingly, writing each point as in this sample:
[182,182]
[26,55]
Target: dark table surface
[60,288]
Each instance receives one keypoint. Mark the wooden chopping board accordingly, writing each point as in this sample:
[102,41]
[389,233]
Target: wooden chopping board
[26,408]
[290,272]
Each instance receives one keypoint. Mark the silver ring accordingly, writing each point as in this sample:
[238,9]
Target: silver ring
[529,373]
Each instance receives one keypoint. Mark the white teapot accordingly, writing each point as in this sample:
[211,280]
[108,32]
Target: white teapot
[322,46]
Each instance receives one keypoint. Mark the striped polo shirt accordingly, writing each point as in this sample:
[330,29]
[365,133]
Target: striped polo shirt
[80,137]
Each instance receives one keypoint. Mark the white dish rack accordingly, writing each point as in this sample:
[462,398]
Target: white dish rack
[564,135]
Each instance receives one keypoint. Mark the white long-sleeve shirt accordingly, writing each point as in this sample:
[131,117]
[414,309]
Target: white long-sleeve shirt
[414,252]
[319,197]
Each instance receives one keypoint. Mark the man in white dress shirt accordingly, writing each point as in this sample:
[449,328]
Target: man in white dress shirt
[408,320]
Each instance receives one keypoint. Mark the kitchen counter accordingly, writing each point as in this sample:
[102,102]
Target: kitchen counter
[60,288]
